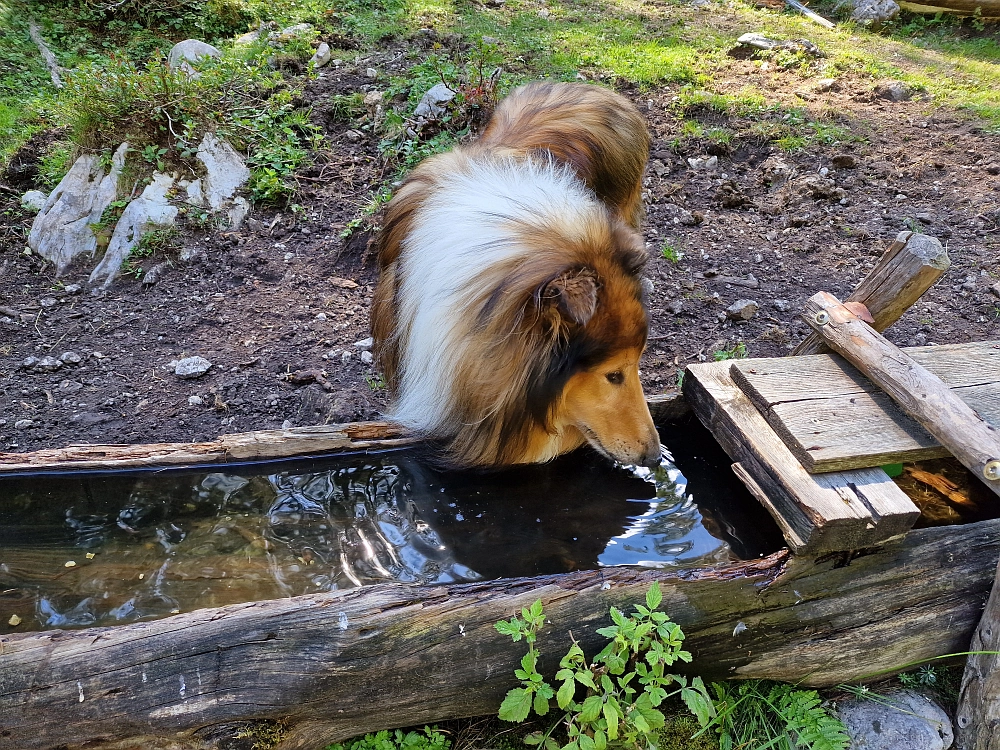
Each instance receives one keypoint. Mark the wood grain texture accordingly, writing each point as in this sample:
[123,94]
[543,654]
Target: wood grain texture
[836,511]
[339,664]
[919,393]
[832,418]
[253,446]
[911,265]
[977,720]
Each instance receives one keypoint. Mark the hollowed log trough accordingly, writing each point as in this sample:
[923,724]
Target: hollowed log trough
[335,665]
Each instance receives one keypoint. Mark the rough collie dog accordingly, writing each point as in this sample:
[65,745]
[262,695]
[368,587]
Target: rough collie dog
[508,317]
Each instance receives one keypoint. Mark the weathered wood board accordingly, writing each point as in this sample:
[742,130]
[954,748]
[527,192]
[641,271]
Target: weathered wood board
[339,664]
[816,513]
[833,418]
[253,446]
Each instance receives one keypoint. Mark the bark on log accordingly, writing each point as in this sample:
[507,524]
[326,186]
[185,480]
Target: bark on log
[260,445]
[920,393]
[977,725]
[908,268]
[339,664]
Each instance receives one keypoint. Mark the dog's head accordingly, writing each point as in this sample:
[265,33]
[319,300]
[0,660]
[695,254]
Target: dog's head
[594,321]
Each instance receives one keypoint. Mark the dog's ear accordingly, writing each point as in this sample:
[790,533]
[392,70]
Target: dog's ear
[573,293]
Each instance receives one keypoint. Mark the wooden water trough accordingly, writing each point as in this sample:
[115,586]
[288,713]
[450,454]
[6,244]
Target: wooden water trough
[857,593]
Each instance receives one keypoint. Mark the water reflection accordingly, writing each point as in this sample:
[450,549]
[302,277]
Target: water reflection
[80,551]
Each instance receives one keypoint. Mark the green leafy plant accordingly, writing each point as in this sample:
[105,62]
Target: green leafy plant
[762,714]
[736,351]
[375,382]
[671,253]
[429,739]
[622,686]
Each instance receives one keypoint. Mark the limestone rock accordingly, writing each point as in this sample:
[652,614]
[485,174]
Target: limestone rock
[874,12]
[61,231]
[191,367]
[151,209]
[432,104]
[911,721]
[321,56]
[33,201]
[895,91]
[225,173]
[238,213]
[189,51]
[742,309]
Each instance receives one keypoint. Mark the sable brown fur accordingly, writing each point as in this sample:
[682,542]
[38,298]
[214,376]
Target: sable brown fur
[534,335]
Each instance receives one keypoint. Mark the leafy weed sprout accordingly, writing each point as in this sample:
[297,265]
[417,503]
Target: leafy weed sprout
[429,739]
[671,253]
[736,351]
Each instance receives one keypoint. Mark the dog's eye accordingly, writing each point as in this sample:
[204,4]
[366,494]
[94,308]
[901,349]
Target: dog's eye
[615,378]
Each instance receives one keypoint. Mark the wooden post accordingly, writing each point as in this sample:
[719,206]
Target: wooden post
[977,721]
[908,268]
[919,393]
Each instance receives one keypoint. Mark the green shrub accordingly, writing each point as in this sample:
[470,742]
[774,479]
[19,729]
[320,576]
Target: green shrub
[429,739]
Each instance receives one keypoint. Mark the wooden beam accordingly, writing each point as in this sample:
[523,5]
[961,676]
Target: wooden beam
[339,664]
[977,720]
[260,445]
[832,418]
[836,511]
[921,394]
[905,271]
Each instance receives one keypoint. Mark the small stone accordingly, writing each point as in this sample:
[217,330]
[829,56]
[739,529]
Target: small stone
[709,164]
[73,288]
[742,309]
[191,367]
[195,401]
[49,302]
[367,343]
[289,256]
[70,358]
[905,719]
[895,91]
[845,161]
[299,29]
[823,85]
[29,363]
[33,201]
[367,357]
[354,135]
[925,218]
[97,355]
[345,357]
[371,73]
[48,364]
[321,316]
[659,168]
[14,621]
[374,97]
[995,290]
[432,104]
[321,56]
[993,168]
[69,564]
[676,306]
[286,425]
[781,305]
[189,51]
[155,273]
[23,424]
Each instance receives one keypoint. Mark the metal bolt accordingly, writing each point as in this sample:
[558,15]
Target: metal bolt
[992,470]
[822,318]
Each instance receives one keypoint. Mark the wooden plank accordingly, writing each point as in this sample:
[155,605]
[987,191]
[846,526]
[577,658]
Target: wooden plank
[978,715]
[832,418]
[340,664]
[837,511]
[911,265]
[918,391]
[253,446]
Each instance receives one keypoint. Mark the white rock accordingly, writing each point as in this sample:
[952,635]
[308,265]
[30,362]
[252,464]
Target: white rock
[291,32]
[70,358]
[709,164]
[189,51]
[61,231]
[321,56]
[225,171]
[742,309]
[249,38]
[151,209]
[367,357]
[191,367]
[371,73]
[432,103]
[874,11]
[367,343]
[238,213]
[195,401]
[33,201]
[912,721]
[23,424]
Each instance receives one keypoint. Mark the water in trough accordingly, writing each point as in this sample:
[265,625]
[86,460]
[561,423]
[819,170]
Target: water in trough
[91,549]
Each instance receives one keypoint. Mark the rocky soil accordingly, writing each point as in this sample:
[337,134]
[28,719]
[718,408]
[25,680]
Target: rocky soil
[280,309]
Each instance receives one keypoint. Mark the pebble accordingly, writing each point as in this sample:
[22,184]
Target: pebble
[925,218]
[781,305]
[48,364]
[367,343]
[371,73]
[676,306]
[709,164]
[49,302]
[845,161]
[23,424]
[70,358]
[289,256]
[29,363]
[321,316]
[346,356]
[286,425]
[73,289]
[742,309]
[995,289]
[191,367]
[367,357]
[905,719]
[195,401]
[97,355]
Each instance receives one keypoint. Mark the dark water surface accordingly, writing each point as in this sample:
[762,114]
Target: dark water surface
[101,549]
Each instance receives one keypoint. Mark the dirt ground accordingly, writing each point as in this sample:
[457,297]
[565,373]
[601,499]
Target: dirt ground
[286,293]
